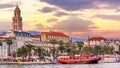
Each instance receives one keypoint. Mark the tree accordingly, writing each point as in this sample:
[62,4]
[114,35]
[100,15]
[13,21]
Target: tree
[80,44]
[41,52]
[75,50]
[9,42]
[60,42]
[97,49]
[29,49]
[0,43]
[53,41]
[87,49]
[22,52]
[61,47]
[67,47]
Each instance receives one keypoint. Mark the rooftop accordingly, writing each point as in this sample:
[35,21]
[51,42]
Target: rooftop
[55,33]
[97,38]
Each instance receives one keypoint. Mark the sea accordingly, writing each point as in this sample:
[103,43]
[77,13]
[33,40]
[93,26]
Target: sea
[100,65]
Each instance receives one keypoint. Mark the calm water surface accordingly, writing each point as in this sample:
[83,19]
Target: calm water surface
[101,65]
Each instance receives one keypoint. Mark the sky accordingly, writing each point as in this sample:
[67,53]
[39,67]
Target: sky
[77,18]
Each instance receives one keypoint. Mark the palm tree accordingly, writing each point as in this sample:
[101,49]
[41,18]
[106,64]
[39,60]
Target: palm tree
[61,47]
[41,52]
[22,52]
[67,47]
[53,41]
[0,43]
[80,44]
[97,49]
[75,50]
[19,52]
[9,42]
[60,42]
[29,49]
[87,49]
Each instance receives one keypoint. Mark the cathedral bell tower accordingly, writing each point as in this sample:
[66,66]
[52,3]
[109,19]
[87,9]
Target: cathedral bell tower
[17,20]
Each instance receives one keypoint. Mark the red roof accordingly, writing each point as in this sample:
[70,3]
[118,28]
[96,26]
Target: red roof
[36,36]
[55,34]
[2,34]
[97,38]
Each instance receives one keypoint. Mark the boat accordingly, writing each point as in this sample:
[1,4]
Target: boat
[111,58]
[86,59]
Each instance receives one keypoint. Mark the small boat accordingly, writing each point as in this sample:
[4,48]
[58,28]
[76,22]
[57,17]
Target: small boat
[79,60]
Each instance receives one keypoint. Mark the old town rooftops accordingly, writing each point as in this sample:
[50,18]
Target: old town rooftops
[52,33]
[97,38]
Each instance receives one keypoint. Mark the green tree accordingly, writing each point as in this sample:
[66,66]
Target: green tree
[29,47]
[41,52]
[67,47]
[80,44]
[88,49]
[22,52]
[0,43]
[75,50]
[61,47]
[60,42]
[53,41]
[9,42]
[97,50]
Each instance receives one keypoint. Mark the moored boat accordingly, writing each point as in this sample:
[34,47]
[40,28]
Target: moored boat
[79,60]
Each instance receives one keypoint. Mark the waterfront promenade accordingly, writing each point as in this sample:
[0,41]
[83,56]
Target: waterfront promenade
[101,65]
[25,63]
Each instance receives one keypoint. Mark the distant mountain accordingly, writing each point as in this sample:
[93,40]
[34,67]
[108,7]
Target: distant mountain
[113,38]
[78,39]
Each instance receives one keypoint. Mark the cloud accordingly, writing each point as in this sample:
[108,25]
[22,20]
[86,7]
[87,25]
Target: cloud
[5,25]
[110,17]
[9,5]
[47,9]
[52,20]
[71,4]
[74,24]
[59,14]
[112,4]
[107,34]
[80,28]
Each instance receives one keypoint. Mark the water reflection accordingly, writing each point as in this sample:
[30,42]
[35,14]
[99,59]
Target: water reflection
[102,65]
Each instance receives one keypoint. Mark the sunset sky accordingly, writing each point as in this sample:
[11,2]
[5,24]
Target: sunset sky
[77,18]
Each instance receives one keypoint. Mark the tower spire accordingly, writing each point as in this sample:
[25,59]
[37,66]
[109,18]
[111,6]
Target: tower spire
[17,20]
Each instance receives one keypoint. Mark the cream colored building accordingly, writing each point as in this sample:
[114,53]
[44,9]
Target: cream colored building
[46,36]
[93,41]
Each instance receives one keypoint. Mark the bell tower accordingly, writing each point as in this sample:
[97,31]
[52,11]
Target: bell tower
[17,20]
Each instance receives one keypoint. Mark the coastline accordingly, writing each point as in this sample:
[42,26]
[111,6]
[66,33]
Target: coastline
[26,63]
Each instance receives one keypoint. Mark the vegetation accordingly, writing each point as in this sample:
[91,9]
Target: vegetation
[41,52]
[69,48]
[0,43]
[53,50]
[61,48]
[9,42]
